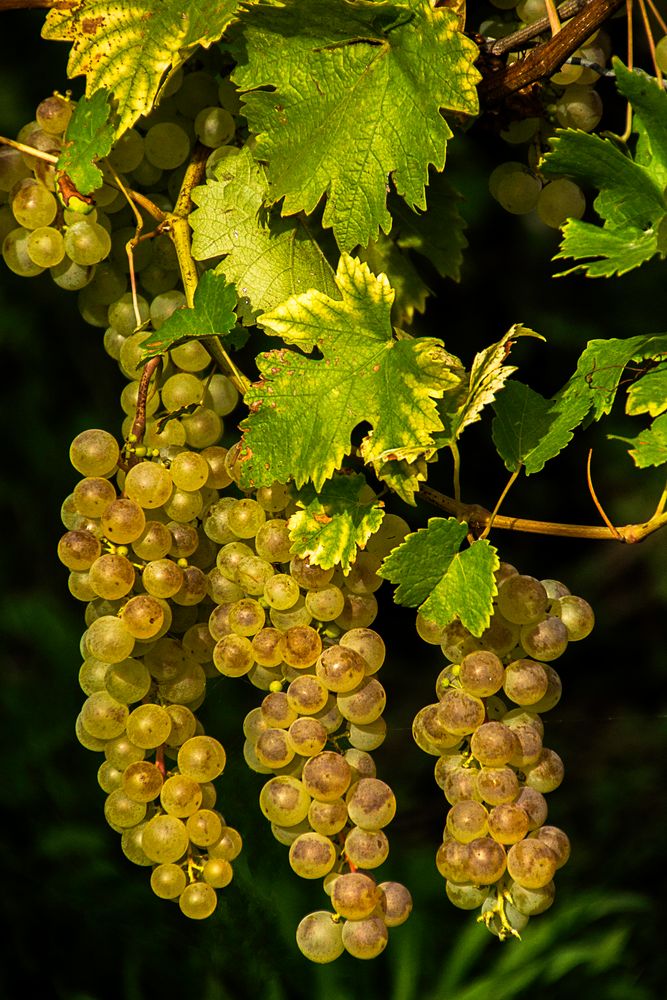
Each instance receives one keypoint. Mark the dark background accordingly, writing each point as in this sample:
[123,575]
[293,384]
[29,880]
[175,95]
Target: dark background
[83,923]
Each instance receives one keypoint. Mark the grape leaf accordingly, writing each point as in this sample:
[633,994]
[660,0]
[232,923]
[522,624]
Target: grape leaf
[487,376]
[268,258]
[131,46]
[631,202]
[211,316]
[335,521]
[384,257]
[529,430]
[601,366]
[404,476]
[649,393]
[438,233]
[434,575]
[89,136]
[303,411]
[355,97]
[649,447]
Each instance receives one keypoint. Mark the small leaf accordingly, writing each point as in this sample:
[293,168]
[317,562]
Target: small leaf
[649,393]
[442,581]
[335,522]
[418,564]
[649,447]
[436,234]
[601,366]
[466,589]
[211,316]
[89,137]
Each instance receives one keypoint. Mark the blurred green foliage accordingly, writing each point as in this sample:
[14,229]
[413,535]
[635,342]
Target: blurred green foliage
[81,922]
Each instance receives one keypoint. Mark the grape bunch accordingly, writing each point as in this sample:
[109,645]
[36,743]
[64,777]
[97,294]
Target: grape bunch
[301,633]
[486,731]
[144,668]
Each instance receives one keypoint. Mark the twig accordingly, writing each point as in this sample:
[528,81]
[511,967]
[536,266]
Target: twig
[594,496]
[517,40]
[544,60]
[480,517]
[139,425]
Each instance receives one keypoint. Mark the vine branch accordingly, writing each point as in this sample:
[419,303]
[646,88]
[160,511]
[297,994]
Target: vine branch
[498,84]
[480,517]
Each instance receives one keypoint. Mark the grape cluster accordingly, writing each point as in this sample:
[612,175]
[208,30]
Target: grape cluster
[485,729]
[301,633]
[567,100]
[144,671]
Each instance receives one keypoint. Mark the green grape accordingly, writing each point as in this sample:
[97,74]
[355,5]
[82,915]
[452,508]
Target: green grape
[111,576]
[371,804]
[481,673]
[546,774]
[273,542]
[531,863]
[202,758]
[559,201]
[307,695]
[198,90]
[127,681]
[319,937]
[340,668]
[467,820]
[267,647]
[661,54]
[361,762]
[191,356]
[204,827]
[121,812]
[78,550]
[92,675]
[162,578]
[120,752]
[253,574]
[109,778]
[516,190]
[281,592]
[162,307]
[508,823]
[13,168]
[217,873]
[466,897]
[127,152]
[180,796]
[183,725]
[487,861]
[366,848]
[45,246]
[302,646]
[86,243]
[428,630]
[165,839]
[366,737]
[276,711]
[103,716]
[545,640]
[497,785]
[284,801]
[273,749]
[142,781]
[328,818]
[359,611]
[365,939]
[461,713]
[326,776]
[94,453]
[398,903]
[233,655]
[312,855]
[148,726]
[93,495]
[86,739]
[107,639]
[168,881]
[355,896]
[576,615]
[525,681]
[579,107]
[367,643]
[228,846]
[522,599]
[214,126]
[71,276]
[166,145]
[557,840]
[122,315]
[297,615]
[310,577]
[531,10]
[493,744]
[33,205]
[149,484]
[325,604]
[15,254]
[363,704]
[142,253]
[123,521]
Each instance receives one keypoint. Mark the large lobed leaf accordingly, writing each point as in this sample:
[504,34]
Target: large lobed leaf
[335,521]
[433,574]
[131,46]
[304,410]
[631,201]
[268,258]
[351,96]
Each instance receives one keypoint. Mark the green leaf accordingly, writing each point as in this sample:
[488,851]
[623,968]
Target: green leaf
[350,98]
[336,521]
[631,202]
[649,447]
[466,590]
[445,583]
[438,233]
[404,476]
[487,376]
[418,564]
[131,46]
[601,366]
[529,430]
[384,257]
[211,316]
[88,138]
[303,411]
[268,258]
[649,393]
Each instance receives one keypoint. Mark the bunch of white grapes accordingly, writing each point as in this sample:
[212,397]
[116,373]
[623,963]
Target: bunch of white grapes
[486,731]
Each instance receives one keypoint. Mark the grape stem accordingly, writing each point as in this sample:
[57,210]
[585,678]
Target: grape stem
[510,43]
[541,62]
[177,226]
[479,517]
[139,425]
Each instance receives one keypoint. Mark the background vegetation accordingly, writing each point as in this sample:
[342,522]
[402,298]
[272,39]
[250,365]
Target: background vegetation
[83,923]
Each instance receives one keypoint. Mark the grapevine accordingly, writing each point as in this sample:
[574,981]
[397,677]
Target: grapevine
[288,456]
